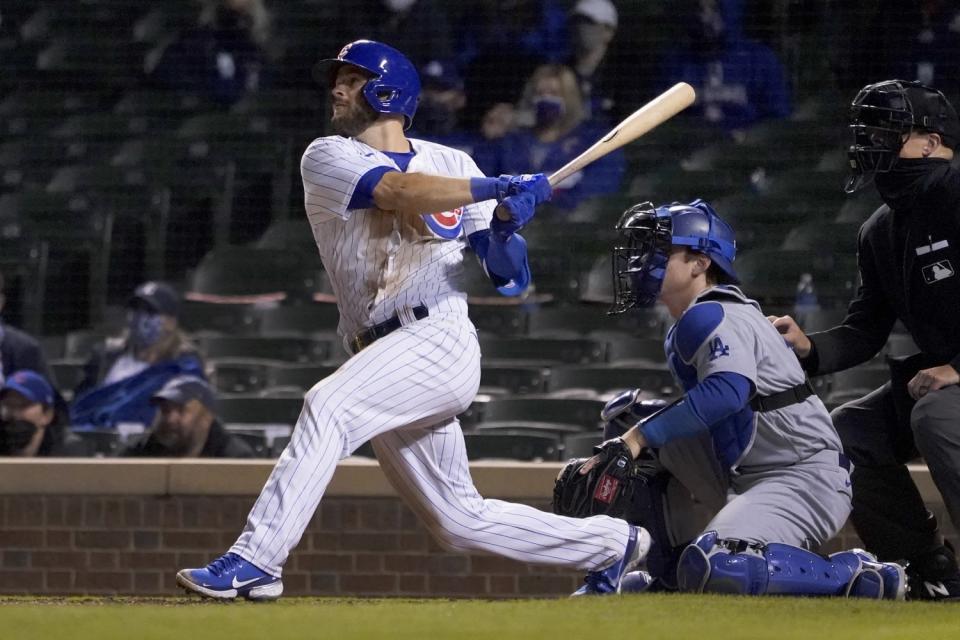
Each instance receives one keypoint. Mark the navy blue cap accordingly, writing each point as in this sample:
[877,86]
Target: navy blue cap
[182,389]
[31,385]
[157,297]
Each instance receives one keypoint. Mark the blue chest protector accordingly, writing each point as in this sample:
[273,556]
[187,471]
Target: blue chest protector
[731,435]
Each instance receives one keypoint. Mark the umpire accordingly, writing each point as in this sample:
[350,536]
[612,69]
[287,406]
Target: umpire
[905,134]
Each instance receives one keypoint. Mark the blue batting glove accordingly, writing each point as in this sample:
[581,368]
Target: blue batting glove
[521,208]
[536,183]
[506,185]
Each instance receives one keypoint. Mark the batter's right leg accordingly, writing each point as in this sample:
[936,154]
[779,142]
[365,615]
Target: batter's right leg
[428,467]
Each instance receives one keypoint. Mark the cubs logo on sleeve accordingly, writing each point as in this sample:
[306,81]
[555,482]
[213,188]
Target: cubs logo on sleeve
[446,224]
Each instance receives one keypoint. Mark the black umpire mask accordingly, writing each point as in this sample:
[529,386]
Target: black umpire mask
[15,435]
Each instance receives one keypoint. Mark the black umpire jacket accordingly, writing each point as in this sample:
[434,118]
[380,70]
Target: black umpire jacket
[909,257]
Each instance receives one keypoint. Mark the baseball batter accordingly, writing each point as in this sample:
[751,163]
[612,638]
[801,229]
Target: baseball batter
[372,200]
[749,438]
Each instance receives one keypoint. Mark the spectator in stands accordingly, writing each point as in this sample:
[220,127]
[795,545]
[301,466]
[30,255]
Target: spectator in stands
[442,100]
[419,28]
[186,425]
[32,418]
[501,42]
[223,57]
[738,81]
[593,23]
[122,374]
[18,350]
[905,136]
[559,131]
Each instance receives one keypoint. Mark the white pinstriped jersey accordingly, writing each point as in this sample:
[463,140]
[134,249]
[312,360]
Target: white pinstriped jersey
[379,262]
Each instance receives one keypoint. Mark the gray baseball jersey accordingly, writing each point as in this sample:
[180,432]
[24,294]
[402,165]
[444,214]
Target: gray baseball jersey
[782,469]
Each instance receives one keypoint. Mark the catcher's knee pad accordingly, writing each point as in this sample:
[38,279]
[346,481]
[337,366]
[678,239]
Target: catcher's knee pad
[714,565]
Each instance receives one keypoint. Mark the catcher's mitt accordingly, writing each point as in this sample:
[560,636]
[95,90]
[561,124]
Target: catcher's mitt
[609,487]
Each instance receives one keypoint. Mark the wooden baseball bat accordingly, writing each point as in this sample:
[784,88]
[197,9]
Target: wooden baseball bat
[654,113]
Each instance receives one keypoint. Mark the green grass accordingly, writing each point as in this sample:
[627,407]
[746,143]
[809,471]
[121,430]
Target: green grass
[643,617]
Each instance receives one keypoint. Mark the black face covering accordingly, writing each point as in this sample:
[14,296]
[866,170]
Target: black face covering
[15,435]
[908,179]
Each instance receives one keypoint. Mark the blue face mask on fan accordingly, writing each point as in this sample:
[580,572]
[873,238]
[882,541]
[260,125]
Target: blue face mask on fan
[146,329]
[549,110]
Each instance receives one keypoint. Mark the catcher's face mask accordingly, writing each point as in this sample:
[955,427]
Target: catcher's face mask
[640,256]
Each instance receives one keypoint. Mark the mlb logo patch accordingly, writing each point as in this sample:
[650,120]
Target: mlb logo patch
[940,270]
[606,489]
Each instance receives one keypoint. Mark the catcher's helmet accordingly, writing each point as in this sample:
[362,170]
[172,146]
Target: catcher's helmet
[394,86]
[883,114]
[646,236]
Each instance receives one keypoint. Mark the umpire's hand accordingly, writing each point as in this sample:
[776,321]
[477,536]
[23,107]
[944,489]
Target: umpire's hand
[929,380]
[793,334]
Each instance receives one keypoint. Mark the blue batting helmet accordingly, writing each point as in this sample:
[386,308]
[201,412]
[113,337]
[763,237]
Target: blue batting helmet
[394,86]
[643,249]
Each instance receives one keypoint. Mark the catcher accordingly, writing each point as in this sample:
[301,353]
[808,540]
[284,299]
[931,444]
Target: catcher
[738,480]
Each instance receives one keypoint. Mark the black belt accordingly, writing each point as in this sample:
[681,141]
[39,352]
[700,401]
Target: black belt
[784,398]
[367,337]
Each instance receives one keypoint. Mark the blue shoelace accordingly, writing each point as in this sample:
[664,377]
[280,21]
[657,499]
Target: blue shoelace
[596,580]
[224,563]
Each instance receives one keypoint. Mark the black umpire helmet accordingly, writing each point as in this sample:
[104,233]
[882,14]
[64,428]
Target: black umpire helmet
[883,114]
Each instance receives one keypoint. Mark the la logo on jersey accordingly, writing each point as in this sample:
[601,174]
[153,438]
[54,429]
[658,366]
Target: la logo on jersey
[718,349]
[445,224]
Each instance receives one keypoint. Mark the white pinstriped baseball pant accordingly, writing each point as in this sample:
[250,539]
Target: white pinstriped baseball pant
[404,392]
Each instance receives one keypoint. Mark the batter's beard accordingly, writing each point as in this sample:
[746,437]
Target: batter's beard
[354,120]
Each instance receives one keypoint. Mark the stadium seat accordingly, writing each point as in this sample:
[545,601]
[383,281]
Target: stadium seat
[580,445]
[511,446]
[67,374]
[256,439]
[79,238]
[238,375]
[97,443]
[505,381]
[289,234]
[24,263]
[250,410]
[636,351]
[280,348]
[834,237]
[300,377]
[210,317]
[498,320]
[540,413]
[656,382]
[247,275]
[304,319]
[771,275]
[540,351]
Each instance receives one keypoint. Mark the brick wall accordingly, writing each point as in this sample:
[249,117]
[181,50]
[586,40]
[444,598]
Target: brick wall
[353,546]
[120,527]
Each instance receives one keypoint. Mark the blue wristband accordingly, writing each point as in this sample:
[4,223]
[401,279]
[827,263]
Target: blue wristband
[484,188]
